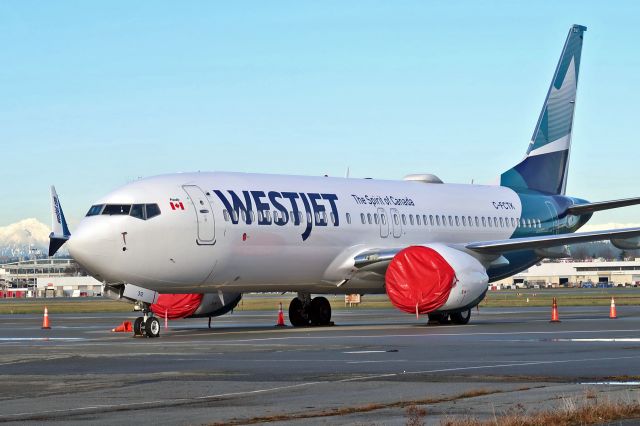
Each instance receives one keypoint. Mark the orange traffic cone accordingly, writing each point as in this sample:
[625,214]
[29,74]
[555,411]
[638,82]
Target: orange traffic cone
[45,320]
[554,311]
[124,327]
[280,317]
[612,310]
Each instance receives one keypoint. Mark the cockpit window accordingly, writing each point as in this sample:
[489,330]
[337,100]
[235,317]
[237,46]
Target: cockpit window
[115,209]
[152,210]
[95,210]
[137,210]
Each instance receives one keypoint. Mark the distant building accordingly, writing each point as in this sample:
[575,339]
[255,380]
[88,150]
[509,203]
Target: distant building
[46,278]
[575,274]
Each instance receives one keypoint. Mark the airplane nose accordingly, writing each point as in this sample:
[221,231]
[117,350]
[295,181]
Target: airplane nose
[91,246]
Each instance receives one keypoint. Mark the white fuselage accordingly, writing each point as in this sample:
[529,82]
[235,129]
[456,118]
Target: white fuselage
[200,244]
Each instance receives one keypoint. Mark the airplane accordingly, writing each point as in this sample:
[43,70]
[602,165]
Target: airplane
[190,244]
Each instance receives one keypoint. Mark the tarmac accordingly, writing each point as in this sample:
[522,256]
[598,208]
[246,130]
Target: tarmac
[367,369]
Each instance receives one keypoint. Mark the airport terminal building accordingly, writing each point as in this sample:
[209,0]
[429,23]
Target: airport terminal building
[46,278]
[575,274]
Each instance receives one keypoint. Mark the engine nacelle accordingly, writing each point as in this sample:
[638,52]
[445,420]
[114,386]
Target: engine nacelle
[632,243]
[196,305]
[434,277]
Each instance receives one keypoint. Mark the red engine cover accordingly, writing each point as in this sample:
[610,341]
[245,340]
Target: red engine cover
[419,280]
[176,305]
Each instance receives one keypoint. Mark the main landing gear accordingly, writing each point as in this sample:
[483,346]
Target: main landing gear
[305,311]
[147,325]
[458,318]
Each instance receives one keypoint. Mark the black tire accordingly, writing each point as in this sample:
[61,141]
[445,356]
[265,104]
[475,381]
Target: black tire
[138,327]
[438,318]
[297,314]
[320,311]
[152,327]
[461,318]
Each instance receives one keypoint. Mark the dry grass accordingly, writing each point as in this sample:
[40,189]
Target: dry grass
[570,412]
[413,411]
[415,415]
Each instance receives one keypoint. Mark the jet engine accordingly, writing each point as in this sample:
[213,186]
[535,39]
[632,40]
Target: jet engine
[196,305]
[632,243]
[434,277]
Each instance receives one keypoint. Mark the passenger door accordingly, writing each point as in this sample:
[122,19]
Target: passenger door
[204,215]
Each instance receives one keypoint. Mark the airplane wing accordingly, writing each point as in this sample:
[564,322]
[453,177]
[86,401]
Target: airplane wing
[378,257]
[579,209]
[546,241]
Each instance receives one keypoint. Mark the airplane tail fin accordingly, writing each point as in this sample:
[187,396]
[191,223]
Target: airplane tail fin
[545,165]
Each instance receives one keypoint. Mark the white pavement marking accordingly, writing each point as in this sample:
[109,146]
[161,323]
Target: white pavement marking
[482,367]
[387,336]
[162,402]
[40,339]
[614,339]
[365,352]
[612,383]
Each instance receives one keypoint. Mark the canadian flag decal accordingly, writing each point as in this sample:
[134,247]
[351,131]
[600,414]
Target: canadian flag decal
[176,205]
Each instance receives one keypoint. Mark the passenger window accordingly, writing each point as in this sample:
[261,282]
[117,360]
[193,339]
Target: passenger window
[484,222]
[457,221]
[225,213]
[362,218]
[376,218]
[464,221]
[431,220]
[501,223]
[309,218]
[418,220]
[450,221]
[243,215]
[95,210]
[137,210]
[411,219]
[348,218]
[477,222]
[333,218]
[490,222]
[470,221]
[395,219]
[276,215]
[437,220]
[260,216]
[369,218]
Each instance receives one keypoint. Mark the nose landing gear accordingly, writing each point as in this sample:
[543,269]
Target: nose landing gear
[147,325]
[305,311]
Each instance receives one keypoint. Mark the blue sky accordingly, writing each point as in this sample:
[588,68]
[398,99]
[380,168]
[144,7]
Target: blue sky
[94,95]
